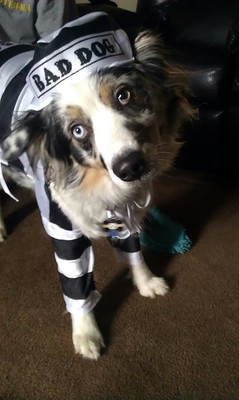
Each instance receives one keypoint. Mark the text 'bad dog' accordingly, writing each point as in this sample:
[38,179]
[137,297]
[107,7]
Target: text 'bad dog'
[69,61]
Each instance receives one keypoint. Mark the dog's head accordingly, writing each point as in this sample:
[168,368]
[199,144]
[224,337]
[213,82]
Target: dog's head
[120,123]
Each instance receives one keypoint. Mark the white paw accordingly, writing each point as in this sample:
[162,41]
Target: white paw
[86,336]
[88,346]
[148,285]
[153,286]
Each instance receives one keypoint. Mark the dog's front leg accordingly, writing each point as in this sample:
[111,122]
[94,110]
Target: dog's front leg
[75,261]
[146,282]
[75,268]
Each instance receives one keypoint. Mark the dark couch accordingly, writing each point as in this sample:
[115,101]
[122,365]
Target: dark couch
[204,38]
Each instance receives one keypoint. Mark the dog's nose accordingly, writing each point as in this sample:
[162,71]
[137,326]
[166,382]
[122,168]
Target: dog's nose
[130,167]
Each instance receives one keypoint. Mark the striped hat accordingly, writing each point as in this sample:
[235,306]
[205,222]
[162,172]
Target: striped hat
[30,75]
[75,51]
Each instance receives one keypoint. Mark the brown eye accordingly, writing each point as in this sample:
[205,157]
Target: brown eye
[123,95]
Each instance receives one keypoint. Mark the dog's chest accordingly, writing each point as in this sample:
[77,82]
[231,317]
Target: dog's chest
[95,217]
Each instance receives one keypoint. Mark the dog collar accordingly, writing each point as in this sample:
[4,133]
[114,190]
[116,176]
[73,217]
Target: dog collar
[116,227]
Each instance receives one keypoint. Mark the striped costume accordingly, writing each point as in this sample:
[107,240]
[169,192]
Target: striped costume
[73,251]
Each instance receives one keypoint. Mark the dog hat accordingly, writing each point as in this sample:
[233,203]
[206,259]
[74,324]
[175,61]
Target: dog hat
[73,52]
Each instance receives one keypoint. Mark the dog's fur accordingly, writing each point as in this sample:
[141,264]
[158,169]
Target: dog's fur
[132,108]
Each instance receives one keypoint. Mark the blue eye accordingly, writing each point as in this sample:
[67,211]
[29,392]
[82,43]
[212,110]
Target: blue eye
[79,131]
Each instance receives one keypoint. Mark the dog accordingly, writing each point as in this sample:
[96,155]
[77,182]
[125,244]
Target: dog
[103,120]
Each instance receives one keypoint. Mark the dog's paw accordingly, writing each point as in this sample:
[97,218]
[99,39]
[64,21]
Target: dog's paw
[86,336]
[88,346]
[153,286]
[3,233]
[148,285]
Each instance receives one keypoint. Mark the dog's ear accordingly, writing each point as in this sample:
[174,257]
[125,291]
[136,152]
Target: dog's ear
[152,55]
[149,52]
[155,61]
[34,129]
[19,139]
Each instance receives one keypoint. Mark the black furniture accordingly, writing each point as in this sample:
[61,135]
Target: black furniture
[204,38]
[205,35]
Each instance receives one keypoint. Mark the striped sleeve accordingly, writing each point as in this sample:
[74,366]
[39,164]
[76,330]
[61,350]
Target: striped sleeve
[129,249]
[73,254]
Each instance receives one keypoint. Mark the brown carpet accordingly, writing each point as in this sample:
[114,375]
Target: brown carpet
[184,346]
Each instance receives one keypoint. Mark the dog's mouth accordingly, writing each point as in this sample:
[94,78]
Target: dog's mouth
[129,167]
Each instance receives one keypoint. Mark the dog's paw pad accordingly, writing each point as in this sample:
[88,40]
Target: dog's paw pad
[88,346]
[154,287]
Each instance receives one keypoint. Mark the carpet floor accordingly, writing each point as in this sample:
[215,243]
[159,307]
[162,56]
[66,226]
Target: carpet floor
[184,346]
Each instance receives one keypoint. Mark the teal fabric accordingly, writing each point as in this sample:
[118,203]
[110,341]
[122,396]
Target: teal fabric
[160,233]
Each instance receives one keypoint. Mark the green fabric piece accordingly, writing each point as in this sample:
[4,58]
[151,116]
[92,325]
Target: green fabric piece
[160,233]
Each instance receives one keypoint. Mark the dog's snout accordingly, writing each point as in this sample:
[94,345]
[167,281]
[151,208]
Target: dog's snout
[130,167]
